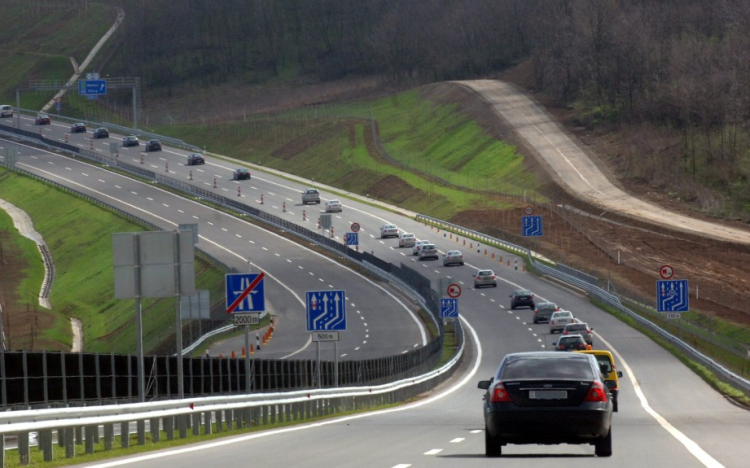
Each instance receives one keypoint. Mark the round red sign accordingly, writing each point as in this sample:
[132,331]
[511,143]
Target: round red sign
[528,210]
[454,290]
[355,227]
[666,272]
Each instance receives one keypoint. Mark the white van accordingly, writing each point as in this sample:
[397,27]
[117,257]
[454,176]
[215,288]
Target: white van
[6,111]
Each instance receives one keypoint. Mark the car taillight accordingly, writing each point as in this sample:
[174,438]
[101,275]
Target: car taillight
[552,322]
[596,393]
[561,347]
[493,276]
[500,395]
[565,332]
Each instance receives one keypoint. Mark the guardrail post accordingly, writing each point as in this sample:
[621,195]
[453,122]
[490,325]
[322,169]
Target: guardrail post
[154,425]
[182,420]
[230,417]
[70,446]
[207,422]
[168,423]
[89,448]
[141,429]
[45,442]
[125,434]
[109,435]
[196,423]
[219,421]
[23,448]
[79,435]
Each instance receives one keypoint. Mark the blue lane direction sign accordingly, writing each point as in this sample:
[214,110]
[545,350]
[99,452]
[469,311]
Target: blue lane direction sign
[672,295]
[326,310]
[448,307]
[352,238]
[245,292]
[92,87]
[532,226]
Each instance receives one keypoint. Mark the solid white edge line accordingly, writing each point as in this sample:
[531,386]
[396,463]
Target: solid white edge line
[692,447]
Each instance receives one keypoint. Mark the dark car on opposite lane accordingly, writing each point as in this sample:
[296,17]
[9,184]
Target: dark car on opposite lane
[100,132]
[130,140]
[153,145]
[547,398]
[195,159]
[241,174]
[522,298]
[78,128]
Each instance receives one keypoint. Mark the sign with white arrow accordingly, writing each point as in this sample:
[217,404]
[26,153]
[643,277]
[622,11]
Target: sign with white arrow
[326,310]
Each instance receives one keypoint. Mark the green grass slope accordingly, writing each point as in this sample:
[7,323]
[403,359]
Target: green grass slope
[84,283]
[433,159]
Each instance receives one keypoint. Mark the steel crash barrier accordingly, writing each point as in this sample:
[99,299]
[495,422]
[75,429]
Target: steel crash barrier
[113,424]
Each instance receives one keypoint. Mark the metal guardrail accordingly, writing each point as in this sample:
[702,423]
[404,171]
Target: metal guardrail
[204,415]
[721,371]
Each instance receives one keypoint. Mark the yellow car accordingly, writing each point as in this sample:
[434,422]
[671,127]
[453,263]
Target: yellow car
[609,370]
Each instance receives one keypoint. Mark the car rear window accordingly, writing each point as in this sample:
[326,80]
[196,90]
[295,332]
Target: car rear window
[545,368]
[576,328]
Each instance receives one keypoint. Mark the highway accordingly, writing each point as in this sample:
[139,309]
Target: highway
[668,416]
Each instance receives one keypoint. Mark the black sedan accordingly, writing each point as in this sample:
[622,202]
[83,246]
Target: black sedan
[572,343]
[195,158]
[522,298]
[153,145]
[547,398]
[42,119]
[241,174]
[78,128]
[100,132]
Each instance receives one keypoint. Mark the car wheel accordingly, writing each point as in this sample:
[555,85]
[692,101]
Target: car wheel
[512,307]
[603,446]
[492,447]
[494,285]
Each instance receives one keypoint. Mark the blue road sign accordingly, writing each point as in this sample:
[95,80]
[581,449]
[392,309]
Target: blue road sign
[672,295]
[326,310]
[532,226]
[245,292]
[448,307]
[352,238]
[92,87]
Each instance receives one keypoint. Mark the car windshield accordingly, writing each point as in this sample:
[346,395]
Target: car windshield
[522,292]
[485,273]
[545,368]
[559,315]
[576,328]
[571,339]
[546,306]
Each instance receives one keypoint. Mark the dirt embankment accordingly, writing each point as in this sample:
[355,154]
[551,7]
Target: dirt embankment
[627,251]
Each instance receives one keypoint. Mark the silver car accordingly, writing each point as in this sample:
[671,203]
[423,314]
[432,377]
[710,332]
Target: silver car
[485,278]
[407,239]
[388,230]
[428,251]
[310,196]
[453,257]
[580,328]
[418,245]
[559,319]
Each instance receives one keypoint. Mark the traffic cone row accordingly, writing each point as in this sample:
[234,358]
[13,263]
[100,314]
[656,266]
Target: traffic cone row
[261,198]
[166,167]
[304,215]
[66,137]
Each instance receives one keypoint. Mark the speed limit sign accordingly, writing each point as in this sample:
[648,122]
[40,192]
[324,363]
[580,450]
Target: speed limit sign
[528,210]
